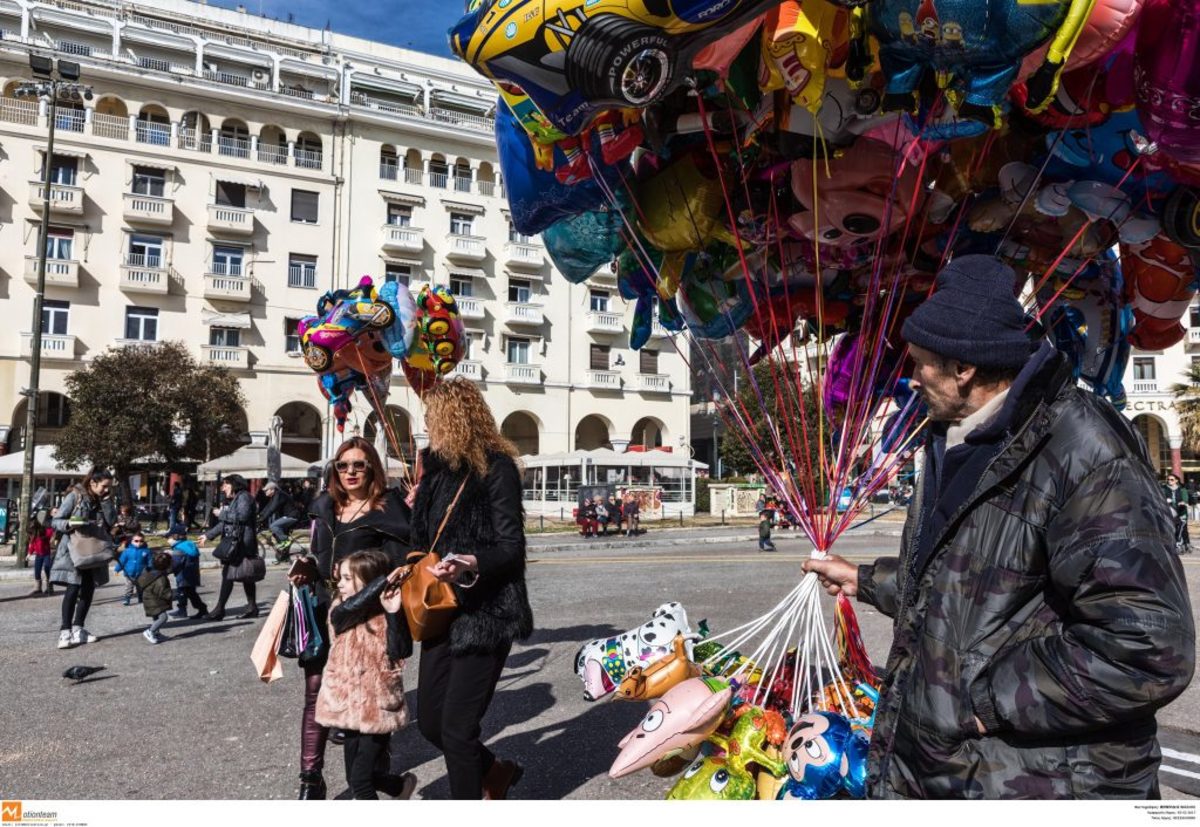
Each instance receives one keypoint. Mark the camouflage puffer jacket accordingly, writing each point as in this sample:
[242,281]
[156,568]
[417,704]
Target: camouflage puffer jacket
[1052,607]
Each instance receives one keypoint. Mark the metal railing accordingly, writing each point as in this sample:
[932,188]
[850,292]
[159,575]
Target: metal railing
[462,183]
[154,134]
[272,154]
[19,111]
[70,120]
[394,107]
[233,146]
[439,180]
[308,158]
[297,92]
[389,171]
[487,188]
[73,48]
[110,126]
[412,175]
[230,79]
[302,275]
[478,123]
[226,268]
[199,140]
[152,261]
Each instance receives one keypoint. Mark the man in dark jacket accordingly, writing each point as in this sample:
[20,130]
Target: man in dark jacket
[1040,612]
[279,512]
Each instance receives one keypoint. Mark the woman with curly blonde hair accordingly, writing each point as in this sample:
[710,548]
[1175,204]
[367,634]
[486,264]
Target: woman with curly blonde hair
[469,471]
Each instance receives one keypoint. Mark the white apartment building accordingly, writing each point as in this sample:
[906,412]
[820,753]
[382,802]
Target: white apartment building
[230,168]
[1148,382]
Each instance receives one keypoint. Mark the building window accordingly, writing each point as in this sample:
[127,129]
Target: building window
[63,170]
[648,361]
[519,290]
[462,178]
[59,243]
[462,286]
[514,236]
[227,261]
[598,357]
[438,174]
[517,351]
[224,337]
[141,324]
[231,195]
[146,251]
[599,301]
[1195,315]
[461,223]
[291,334]
[149,181]
[304,206]
[399,273]
[399,215]
[1143,368]
[55,411]
[302,271]
[54,317]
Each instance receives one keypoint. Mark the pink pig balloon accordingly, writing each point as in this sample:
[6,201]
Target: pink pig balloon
[1167,76]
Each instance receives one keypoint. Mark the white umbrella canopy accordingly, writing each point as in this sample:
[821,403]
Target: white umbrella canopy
[251,462]
[45,464]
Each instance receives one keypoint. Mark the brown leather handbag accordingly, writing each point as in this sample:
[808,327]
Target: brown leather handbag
[429,604]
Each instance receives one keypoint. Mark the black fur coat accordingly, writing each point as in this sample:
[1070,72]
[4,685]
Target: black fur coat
[488,522]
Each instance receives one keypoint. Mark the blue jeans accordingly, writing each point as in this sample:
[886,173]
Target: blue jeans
[281,527]
[42,562]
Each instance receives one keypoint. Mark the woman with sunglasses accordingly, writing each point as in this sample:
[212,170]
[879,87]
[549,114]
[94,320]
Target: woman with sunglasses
[357,512]
[470,480]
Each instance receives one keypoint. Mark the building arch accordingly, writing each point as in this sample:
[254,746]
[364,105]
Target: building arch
[301,431]
[54,414]
[1153,430]
[524,430]
[648,432]
[111,105]
[592,432]
[399,441]
[195,131]
[10,88]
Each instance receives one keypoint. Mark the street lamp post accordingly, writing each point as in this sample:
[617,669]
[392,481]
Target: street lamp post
[52,83]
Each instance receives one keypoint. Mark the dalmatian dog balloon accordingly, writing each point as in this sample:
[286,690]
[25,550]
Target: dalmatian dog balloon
[602,663]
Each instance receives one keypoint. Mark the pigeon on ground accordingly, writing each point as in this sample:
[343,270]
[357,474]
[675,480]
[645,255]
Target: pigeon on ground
[78,673]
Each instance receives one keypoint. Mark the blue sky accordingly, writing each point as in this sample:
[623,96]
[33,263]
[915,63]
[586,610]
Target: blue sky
[414,24]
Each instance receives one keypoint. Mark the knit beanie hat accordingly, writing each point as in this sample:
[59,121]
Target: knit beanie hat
[973,316]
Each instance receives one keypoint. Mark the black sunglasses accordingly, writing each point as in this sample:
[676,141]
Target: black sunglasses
[358,465]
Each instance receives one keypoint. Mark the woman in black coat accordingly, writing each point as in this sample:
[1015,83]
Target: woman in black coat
[356,513]
[467,458]
[235,525]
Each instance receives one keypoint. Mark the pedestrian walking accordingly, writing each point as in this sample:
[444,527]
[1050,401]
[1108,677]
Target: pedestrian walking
[471,488]
[175,505]
[632,512]
[358,512]
[1040,614]
[236,521]
[41,549]
[362,689]
[185,565]
[764,532]
[131,563]
[155,585]
[1177,500]
[87,510]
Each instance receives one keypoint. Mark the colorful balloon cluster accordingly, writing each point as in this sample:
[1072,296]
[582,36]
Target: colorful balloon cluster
[755,163]
[356,334]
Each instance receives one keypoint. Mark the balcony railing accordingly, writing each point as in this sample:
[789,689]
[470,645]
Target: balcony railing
[604,379]
[604,322]
[1193,336]
[469,369]
[462,183]
[236,358]
[308,158]
[230,79]
[439,180]
[149,209]
[23,112]
[63,198]
[477,123]
[226,268]
[523,254]
[654,383]
[198,140]
[466,247]
[70,120]
[233,146]
[520,373]
[469,307]
[154,134]
[412,175]
[115,127]
[1145,386]
[487,188]
[302,276]
[233,220]
[60,272]
[272,154]
[54,346]
[524,313]
[402,238]
[394,107]
[229,288]
[144,274]
[389,172]
[657,330]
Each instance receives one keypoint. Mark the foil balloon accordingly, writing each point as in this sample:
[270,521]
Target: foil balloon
[1160,283]
[825,755]
[973,49]
[718,55]
[1181,217]
[644,683]
[801,41]
[399,335]
[677,723]
[603,663]
[729,776]
[1167,76]
[582,244]
[345,333]
[643,322]
[1107,25]
[680,206]
[441,344]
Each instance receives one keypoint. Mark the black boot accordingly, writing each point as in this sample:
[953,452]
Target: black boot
[312,786]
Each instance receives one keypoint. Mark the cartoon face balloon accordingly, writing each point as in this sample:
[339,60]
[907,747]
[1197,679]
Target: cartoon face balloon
[713,779]
[678,722]
[824,756]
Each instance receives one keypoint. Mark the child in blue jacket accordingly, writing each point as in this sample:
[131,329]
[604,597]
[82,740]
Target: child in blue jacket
[185,565]
[132,563]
